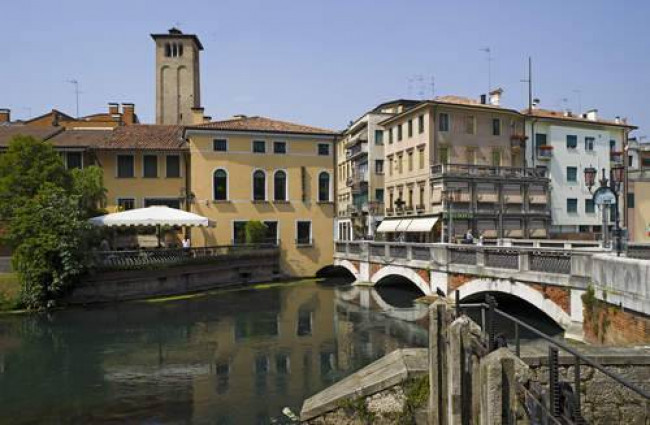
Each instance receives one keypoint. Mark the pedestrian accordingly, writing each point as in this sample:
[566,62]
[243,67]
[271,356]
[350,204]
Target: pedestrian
[469,238]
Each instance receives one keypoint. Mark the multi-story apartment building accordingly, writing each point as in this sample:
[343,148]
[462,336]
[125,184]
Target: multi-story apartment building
[360,173]
[456,164]
[565,144]
[638,191]
[278,173]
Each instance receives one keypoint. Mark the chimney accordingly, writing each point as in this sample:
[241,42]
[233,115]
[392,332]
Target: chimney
[239,116]
[617,120]
[483,99]
[207,118]
[197,115]
[113,108]
[117,118]
[592,114]
[5,115]
[536,103]
[568,113]
[495,97]
[128,113]
[55,118]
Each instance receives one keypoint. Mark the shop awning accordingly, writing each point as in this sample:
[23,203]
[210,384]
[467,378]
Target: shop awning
[422,224]
[388,226]
[403,226]
[152,216]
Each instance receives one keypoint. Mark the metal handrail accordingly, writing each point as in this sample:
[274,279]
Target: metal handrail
[562,346]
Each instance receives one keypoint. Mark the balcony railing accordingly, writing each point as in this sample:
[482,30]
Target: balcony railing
[470,170]
[544,153]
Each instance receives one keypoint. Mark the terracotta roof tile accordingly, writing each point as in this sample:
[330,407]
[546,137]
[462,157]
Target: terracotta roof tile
[262,124]
[548,113]
[81,138]
[144,136]
[7,132]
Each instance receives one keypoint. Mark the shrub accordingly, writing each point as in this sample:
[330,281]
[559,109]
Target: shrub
[255,232]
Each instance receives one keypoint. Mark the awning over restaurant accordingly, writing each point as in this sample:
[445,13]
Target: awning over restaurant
[422,224]
[403,226]
[152,216]
[388,226]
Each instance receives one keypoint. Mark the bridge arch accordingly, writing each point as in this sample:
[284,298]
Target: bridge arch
[404,272]
[519,290]
[346,265]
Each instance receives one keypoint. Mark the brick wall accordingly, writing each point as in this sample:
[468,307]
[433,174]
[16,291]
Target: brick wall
[455,281]
[560,296]
[610,325]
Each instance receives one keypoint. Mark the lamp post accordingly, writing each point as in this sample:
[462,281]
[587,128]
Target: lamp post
[608,194]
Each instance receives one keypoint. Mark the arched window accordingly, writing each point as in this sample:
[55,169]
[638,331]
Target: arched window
[259,186]
[174,49]
[220,185]
[280,186]
[324,187]
[180,49]
[168,50]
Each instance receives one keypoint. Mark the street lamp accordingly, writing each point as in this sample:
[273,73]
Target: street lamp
[607,194]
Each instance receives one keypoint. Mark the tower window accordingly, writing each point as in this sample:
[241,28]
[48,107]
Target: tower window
[180,50]
[168,50]
[174,49]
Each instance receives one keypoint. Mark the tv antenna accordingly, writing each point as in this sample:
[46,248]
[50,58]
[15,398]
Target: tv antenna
[75,83]
[489,61]
[529,80]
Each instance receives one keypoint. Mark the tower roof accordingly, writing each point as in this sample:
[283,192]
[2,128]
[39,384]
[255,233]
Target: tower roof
[175,34]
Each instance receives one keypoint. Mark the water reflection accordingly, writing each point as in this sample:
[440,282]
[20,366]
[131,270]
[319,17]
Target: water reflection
[228,358]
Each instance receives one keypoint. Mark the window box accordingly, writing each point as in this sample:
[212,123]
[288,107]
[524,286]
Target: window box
[544,152]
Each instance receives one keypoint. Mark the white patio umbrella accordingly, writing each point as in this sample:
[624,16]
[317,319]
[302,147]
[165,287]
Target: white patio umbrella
[152,216]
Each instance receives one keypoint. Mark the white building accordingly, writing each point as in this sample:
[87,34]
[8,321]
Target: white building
[566,144]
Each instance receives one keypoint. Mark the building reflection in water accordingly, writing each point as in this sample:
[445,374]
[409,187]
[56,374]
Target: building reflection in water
[229,358]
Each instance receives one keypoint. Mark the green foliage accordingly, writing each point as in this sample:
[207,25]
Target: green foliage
[88,186]
[26,166]
[593,308]
[52,241]
[9,291]
[255,232]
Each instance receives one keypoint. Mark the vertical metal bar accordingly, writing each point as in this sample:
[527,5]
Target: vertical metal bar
[517,341]
[490,325]
[553,383]
[464,410]
[577,412]
[459,309]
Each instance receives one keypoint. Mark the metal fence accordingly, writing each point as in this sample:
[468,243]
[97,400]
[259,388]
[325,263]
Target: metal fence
[550,262]
[502,259]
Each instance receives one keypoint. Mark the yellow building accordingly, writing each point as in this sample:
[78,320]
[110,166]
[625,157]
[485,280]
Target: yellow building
[278,173]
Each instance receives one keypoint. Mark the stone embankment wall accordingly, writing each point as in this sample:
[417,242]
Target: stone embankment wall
[603,400]
[236,269]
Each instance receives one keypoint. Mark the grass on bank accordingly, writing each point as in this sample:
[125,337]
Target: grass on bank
[9,291]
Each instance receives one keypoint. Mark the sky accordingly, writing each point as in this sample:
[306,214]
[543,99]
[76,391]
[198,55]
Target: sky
[326,62]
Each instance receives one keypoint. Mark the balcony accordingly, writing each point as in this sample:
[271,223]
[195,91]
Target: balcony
[517,142]
[469,170]
[616,157]
[356,150]
[545,152]
[355,139]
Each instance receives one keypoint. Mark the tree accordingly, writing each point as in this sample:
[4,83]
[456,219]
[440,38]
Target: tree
[88,187]
[53,241]
[255,232]
[26,166]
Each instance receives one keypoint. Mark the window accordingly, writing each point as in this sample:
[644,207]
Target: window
[400,167]
[645,161]
[421,158]
[410,204]
[280,186]
[303,233]
[572,205]
[496,158]
[470,156]
[470,124]
[239,232]
[399,133]
[280,147]
[150,167]
[589,144]
[630,200]
[73,160]
[220,145]
[540,140]
[168,50]
[379,137]
[421,124]
[589,206]
[571,141]
[571,174]
[630,161]
[304,323]
[379,166]
[443,122]
[421,196]
[390,136]
[379,195]
[271,232]
[496,127]
[323,149]
[612,145]
[167,202]
[173,166]
[443,155]
[410,128]
[410,159]
[220,185]
[390,165]
[124,204]
[259,185]
[125,166]
[323,187]
[259,146]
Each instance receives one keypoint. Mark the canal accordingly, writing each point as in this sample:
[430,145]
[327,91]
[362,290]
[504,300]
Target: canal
[236,357]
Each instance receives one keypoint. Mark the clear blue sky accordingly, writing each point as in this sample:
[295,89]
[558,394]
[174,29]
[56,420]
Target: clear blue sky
[325,62]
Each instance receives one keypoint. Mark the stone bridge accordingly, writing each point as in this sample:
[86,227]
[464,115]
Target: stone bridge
[586,290]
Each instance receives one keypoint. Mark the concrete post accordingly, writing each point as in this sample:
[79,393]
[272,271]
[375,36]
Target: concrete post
[524,261]
[461,334]
[480,257]
[438,397]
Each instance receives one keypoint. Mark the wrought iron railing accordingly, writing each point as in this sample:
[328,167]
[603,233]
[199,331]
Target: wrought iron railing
[462,256]
[470,170]
[549,262]
[502,259]
[135,259]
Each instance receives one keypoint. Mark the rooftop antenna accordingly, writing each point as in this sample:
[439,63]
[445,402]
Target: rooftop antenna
[530,85]
[433,86]
[76,92]
[489,60]
[420,86]
[578,93]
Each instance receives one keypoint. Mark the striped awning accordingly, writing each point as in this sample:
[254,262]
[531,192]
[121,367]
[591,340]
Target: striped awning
[387,226]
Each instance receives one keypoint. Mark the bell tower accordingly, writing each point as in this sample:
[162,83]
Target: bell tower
[177,76]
